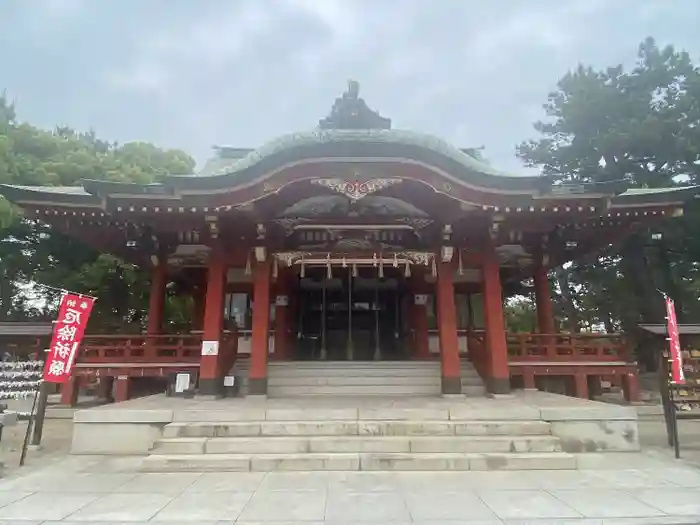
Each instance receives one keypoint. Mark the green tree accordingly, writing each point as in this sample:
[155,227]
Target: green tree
[643,126]
[31,252]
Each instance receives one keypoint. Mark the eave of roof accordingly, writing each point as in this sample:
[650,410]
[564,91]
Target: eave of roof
[642,196]
[25,329]
[64,195]
[661,329]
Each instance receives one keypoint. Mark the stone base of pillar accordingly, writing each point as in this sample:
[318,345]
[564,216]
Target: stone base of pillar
[451,385]
[211,386]
[257,386]
[498,385]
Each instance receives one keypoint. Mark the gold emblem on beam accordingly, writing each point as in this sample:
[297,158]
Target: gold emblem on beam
[355,190]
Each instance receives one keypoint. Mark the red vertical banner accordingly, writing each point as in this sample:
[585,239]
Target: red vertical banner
[69,328]
[677,375]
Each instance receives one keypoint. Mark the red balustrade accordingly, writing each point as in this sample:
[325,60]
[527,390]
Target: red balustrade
[526,347]
[135,349]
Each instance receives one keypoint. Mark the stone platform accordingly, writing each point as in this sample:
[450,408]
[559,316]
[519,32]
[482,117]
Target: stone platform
[528,430]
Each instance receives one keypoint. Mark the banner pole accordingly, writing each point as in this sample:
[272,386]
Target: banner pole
[23,455]
[38,427]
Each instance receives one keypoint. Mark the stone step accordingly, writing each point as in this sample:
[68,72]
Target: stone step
[330,444]
[363,427]
[354,372]
[360,380]
[358,461]
[355,364]
[353,390]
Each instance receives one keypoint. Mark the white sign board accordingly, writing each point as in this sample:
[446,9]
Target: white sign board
[182,383]
[282,300]
[229,380]
[420,299]
[210,347]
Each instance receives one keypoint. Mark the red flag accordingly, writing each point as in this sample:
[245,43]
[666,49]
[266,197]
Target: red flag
[68,331]
[677,375]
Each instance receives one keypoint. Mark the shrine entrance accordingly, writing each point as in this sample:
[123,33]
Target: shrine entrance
[352,315]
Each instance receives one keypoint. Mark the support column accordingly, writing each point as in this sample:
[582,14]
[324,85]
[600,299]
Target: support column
[257,378]
[447,328]
[498,380]
[122,388]
[104,388]
[543,300]
[210,371]
[581,385]
[630,387]
[198,302]
[70,391]
[282,317]
[419,317]
[156,299]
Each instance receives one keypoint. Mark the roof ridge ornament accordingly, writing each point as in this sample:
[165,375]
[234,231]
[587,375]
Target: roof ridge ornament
[350,111]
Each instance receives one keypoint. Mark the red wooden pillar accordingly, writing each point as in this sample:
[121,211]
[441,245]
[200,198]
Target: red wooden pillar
[257,378]
[122,388]
[104,388]
[419,317]
[543,300]
[282,317]
[210,371]
[529,382]
[156,299]
[630,387]
[198,302]
[70,391]
[447,328]
[498,380]
[581,385]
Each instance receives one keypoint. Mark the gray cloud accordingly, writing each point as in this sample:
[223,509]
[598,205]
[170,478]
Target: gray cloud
[193,74]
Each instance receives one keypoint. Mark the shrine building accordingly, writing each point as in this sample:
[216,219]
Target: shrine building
[354,241]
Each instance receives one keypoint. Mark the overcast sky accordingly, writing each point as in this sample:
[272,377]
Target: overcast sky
[194,73]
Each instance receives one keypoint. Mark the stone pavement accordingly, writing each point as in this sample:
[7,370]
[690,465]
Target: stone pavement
[632,488]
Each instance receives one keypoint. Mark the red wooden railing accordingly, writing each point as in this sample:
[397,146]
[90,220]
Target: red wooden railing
[528,347]
[141,348]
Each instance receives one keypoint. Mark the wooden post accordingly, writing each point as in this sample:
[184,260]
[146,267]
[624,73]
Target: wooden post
[543,300]
[630,387]
[211,377]
[282,317]
[257,379]
[529,382]
[419,316]
[447,328]
[498,380]
[156,299]
[581,385]
[104,388]
[122,388]
[70,391]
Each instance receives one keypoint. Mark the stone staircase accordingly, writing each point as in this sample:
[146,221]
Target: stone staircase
[358,378]
[365,438]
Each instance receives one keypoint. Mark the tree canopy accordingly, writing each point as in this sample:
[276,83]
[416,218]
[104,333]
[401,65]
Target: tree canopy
[31,253]
[641,125]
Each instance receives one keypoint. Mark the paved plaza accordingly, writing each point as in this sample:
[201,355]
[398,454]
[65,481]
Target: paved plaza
[612,488]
